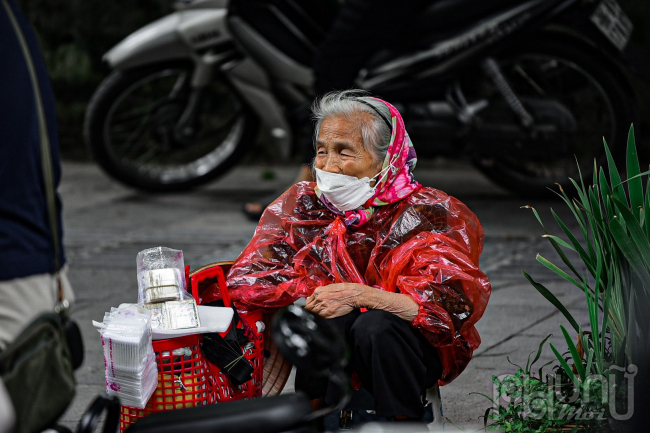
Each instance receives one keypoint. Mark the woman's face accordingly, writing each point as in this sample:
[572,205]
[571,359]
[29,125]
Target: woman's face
[339,149]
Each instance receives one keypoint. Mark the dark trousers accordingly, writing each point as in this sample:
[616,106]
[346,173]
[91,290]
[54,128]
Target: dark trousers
[393,360]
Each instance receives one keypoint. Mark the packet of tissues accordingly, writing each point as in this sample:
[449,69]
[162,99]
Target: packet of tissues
[129,362]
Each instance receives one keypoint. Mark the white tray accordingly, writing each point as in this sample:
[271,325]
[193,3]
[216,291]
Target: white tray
[213,319]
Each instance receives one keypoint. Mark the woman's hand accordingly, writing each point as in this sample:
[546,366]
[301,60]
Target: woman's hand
[335,300]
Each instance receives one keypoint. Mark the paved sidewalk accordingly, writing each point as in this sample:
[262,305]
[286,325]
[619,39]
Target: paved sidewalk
[106,225]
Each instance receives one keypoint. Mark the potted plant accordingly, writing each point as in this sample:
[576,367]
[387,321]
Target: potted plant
[612,244]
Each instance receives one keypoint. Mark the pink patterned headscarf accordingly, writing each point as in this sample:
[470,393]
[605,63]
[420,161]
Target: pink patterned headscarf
[397,184]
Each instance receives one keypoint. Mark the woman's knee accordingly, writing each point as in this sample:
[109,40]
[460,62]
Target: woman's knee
[377,324]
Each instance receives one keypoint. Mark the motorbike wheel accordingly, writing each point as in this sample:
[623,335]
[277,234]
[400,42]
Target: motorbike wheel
[587,97]
[130,128]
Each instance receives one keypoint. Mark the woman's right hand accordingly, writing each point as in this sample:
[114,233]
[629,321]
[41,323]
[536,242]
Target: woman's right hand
[335,300]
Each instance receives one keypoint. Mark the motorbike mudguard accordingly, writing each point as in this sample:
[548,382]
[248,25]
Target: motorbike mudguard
[590,41]
[630,58]
[173,37]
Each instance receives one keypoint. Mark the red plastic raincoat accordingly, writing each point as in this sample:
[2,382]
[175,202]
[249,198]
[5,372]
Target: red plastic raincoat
[426,245]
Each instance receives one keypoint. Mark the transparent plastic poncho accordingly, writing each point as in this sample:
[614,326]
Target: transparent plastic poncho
[426,245]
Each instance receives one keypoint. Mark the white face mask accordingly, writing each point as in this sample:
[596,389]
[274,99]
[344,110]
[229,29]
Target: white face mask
[345,192]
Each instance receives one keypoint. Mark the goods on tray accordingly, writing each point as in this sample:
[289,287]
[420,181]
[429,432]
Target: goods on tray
[213,319]
[162,289]
[152,349]
[130,366]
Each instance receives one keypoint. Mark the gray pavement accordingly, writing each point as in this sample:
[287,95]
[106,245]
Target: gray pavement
[106,224]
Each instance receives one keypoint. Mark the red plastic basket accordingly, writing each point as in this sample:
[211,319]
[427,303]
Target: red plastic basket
[188,380]
[221,388]
[182,379]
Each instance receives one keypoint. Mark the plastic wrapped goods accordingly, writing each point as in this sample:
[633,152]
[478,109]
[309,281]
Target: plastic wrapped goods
[162,289]
[161,276]
[426,245]
[129,361]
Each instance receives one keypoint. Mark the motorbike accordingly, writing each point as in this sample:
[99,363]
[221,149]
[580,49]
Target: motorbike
[522,89]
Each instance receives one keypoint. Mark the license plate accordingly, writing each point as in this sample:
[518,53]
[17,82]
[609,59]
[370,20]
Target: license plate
[613,23]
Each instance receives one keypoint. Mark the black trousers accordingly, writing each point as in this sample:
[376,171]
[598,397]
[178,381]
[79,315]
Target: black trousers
[393,360]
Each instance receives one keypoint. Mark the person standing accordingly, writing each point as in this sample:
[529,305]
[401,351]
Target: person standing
[28,284]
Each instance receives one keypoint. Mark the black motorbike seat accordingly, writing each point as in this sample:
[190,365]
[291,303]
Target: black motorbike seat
[263,415]
[438,21]
[447,17]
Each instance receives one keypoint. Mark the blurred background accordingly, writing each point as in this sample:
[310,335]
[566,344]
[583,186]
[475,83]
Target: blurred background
[75,34]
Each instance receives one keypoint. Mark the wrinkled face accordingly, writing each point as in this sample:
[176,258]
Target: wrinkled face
[339,149]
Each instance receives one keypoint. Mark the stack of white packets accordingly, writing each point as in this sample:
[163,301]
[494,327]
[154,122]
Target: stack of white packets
[129,360]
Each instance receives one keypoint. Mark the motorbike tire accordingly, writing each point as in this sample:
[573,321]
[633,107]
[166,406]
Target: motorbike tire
[180,174]
[507,172]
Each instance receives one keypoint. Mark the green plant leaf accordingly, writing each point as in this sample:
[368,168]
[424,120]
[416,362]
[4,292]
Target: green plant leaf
[539,353]
[580,207]
[590,359]
[512,363]
[614,177]
[483,395]
[606,192]
[594,205]
[567,369]
[632,342]
[630,250]
[527,370]
[577,213]
[634,227]
[569,234]
[485,416]
[496,381]
[642,217]
[576,245]
[558,271]
[560,241]
[646,206]
[553,300]
[539,219]
[542,368]
[577,361]
[582,194]
[635,185]
[606,320]
[592,308]
[555,240]
[615,307]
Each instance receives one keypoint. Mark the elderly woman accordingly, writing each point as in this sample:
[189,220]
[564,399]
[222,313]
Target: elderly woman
[392,264]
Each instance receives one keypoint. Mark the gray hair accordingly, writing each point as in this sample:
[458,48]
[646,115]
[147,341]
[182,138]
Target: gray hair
[375,132]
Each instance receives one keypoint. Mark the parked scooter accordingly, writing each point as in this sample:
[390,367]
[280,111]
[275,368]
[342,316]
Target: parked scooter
[306,341]
[518,87]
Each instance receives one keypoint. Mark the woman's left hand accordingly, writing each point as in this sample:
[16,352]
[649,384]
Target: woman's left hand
[335,300]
